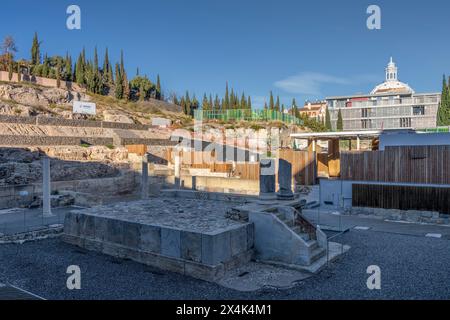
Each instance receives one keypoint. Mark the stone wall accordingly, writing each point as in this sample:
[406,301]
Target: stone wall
[53,121]
[16,140]
[201,255]
[46,82]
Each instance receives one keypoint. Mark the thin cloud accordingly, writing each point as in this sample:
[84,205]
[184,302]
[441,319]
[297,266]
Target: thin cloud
[310,83]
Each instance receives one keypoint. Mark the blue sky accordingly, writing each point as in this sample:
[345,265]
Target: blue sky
[301,49]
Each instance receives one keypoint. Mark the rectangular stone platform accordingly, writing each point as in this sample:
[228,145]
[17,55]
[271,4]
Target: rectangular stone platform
[187,236]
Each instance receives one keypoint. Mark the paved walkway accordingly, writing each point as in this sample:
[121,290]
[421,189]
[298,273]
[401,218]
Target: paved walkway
[18,220]
[332,219]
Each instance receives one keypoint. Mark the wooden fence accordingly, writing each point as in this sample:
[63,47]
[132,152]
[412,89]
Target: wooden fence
[401,197]
[139,149]
[406,164]
[303,164]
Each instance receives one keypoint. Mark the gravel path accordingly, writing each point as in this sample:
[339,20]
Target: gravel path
[411,268]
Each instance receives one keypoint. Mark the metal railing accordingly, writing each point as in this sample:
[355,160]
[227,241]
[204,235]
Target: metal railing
[247,115]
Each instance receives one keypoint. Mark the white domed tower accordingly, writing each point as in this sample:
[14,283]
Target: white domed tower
[392,85]
[391,71]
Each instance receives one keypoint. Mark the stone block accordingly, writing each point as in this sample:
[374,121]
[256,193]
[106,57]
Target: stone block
[191,246]
[216,248]
[170,242]
[204,272]
[71,226]
[131,234]
[150,238]
[163,263]
[250,236]
[114,231]
[101,228]
[238,240]
[86,226]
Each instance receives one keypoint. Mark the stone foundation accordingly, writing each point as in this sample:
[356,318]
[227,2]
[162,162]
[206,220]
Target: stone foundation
[403,215]
[204,248]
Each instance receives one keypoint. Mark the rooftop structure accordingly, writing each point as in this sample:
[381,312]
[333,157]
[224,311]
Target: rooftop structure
[391,105]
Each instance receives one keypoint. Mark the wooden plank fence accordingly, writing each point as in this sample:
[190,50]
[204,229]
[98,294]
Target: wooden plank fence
[303,164]
[406,164]
[401,197]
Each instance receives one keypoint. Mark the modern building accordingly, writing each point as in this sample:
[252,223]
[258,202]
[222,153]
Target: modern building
[390,105]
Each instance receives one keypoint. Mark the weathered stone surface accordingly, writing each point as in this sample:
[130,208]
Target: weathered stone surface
[191,246]
[216,248]
[267,176]
[131,234]
[114,231]
[150,238]
[238,240]
[171,242]
[285,180]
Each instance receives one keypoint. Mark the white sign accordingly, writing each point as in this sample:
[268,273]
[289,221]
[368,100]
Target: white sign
[84,107]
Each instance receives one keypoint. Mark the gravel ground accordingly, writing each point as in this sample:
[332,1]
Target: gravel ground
[411,268]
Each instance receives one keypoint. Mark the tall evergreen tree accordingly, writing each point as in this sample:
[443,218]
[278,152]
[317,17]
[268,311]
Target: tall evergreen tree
[243,101]
[188,104]
[68,68]
[35,51]
[249,103]
[277,104]
[79,71]
[205,103]
[340,122]
[443,114]
[158,88]
[226,100]
[271,102]
[217,105]
[211,105]
[118,83]
[328,120]
[123,73]
[58,73]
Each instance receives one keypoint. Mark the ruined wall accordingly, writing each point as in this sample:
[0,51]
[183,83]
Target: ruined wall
[53,121]
[16,140]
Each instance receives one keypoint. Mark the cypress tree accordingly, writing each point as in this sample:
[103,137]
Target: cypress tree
[79,71]
[339,123]
[188,104]
[217,105]
[277,104]
[123,73]
[249,103]
[226,100]
[158,88]
[294,109]
[328,120]
[35,51]
[271,103]
[243,101]
[211,106]
[68,68]
[119,81]
[58,73]
[205,104]
[443,114]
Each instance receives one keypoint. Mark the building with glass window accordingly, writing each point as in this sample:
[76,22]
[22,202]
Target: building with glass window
[390,105]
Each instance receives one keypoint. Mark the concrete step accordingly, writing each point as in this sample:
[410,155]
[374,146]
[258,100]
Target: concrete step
[317,253]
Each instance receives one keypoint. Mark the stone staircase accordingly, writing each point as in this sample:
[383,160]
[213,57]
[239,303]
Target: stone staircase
[315,250]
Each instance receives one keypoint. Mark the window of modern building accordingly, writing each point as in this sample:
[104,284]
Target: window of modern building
[405,122]
[419,110]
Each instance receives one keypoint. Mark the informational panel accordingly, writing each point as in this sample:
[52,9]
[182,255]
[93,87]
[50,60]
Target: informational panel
[84,107]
